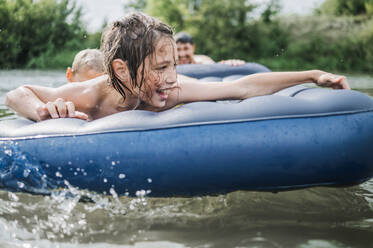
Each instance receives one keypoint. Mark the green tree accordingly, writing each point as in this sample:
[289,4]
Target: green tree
[173,12]
[138,5]
[272,9]
[31,28]
[223,28]
[346,7]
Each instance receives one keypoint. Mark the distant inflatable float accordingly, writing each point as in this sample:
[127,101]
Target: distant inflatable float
[299,137]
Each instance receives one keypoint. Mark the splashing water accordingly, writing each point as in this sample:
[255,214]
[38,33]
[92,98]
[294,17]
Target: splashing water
[20,172]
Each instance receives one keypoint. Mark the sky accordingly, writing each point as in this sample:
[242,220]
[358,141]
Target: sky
[96,11]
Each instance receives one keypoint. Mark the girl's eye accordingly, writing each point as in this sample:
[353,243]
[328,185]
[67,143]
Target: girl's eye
[162,68]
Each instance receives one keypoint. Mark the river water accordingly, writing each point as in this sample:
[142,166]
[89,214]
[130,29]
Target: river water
[316,217]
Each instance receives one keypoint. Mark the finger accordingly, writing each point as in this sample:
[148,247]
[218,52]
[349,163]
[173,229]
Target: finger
[42,112]
[329,77]
[70,109]
[61,107]
[234,62]
[238,62]
[81,115]
[52,110]
[344,83]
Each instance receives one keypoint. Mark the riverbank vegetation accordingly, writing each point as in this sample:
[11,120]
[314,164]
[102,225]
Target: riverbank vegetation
[338,36]
[41,34]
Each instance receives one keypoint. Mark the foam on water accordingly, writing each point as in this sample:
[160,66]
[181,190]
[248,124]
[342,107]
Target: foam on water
[74,218]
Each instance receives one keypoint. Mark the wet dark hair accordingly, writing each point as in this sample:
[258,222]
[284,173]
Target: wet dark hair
[131,39]
[184,38]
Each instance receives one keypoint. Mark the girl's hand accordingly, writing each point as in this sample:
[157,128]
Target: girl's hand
[333,81]
[59,109]
[232,62]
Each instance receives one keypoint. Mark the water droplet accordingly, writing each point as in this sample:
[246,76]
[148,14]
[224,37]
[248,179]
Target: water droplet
[121,176]
[113,193]
[58,174]
[140,193]
[8,152]
[26,172]
[75,173]
[21,184]
[150,180]
[112,162]
[105,180]
[13,197]
[85,36]
[85,173]
[82,222]
[90,161]
[69,163]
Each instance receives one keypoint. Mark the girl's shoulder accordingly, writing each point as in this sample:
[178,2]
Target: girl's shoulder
[88,94]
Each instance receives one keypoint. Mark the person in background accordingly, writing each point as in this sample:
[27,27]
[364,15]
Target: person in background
[87,64]
[186,48]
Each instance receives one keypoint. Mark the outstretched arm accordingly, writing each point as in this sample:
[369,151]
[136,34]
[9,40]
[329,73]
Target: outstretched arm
[257,85]
[23,101]
[40,103]
[202,59]
[232,62]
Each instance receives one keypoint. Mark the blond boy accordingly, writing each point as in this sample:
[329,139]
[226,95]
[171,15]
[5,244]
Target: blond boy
[87,64]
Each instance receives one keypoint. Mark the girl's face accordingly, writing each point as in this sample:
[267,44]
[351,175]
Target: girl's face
[160,76]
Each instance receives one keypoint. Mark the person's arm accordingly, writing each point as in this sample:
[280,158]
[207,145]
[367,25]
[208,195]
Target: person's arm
[255,85]
[202,59]
[23,101]
[232,62]
[40,103]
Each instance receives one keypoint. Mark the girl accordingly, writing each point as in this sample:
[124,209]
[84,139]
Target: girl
[140,61]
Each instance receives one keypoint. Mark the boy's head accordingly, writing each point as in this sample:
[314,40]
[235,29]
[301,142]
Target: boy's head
[185,48]
[87,64]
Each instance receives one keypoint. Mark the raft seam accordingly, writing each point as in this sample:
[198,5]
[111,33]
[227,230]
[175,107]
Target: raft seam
[202,123]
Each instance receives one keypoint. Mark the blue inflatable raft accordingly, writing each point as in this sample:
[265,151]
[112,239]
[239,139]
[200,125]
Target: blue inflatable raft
[299,137]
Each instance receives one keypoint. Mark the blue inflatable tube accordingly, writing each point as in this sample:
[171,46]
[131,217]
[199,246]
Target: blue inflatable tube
[299,137]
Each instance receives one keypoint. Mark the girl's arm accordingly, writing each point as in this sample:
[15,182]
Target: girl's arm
[23,101]
[39,103]
[256,85]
